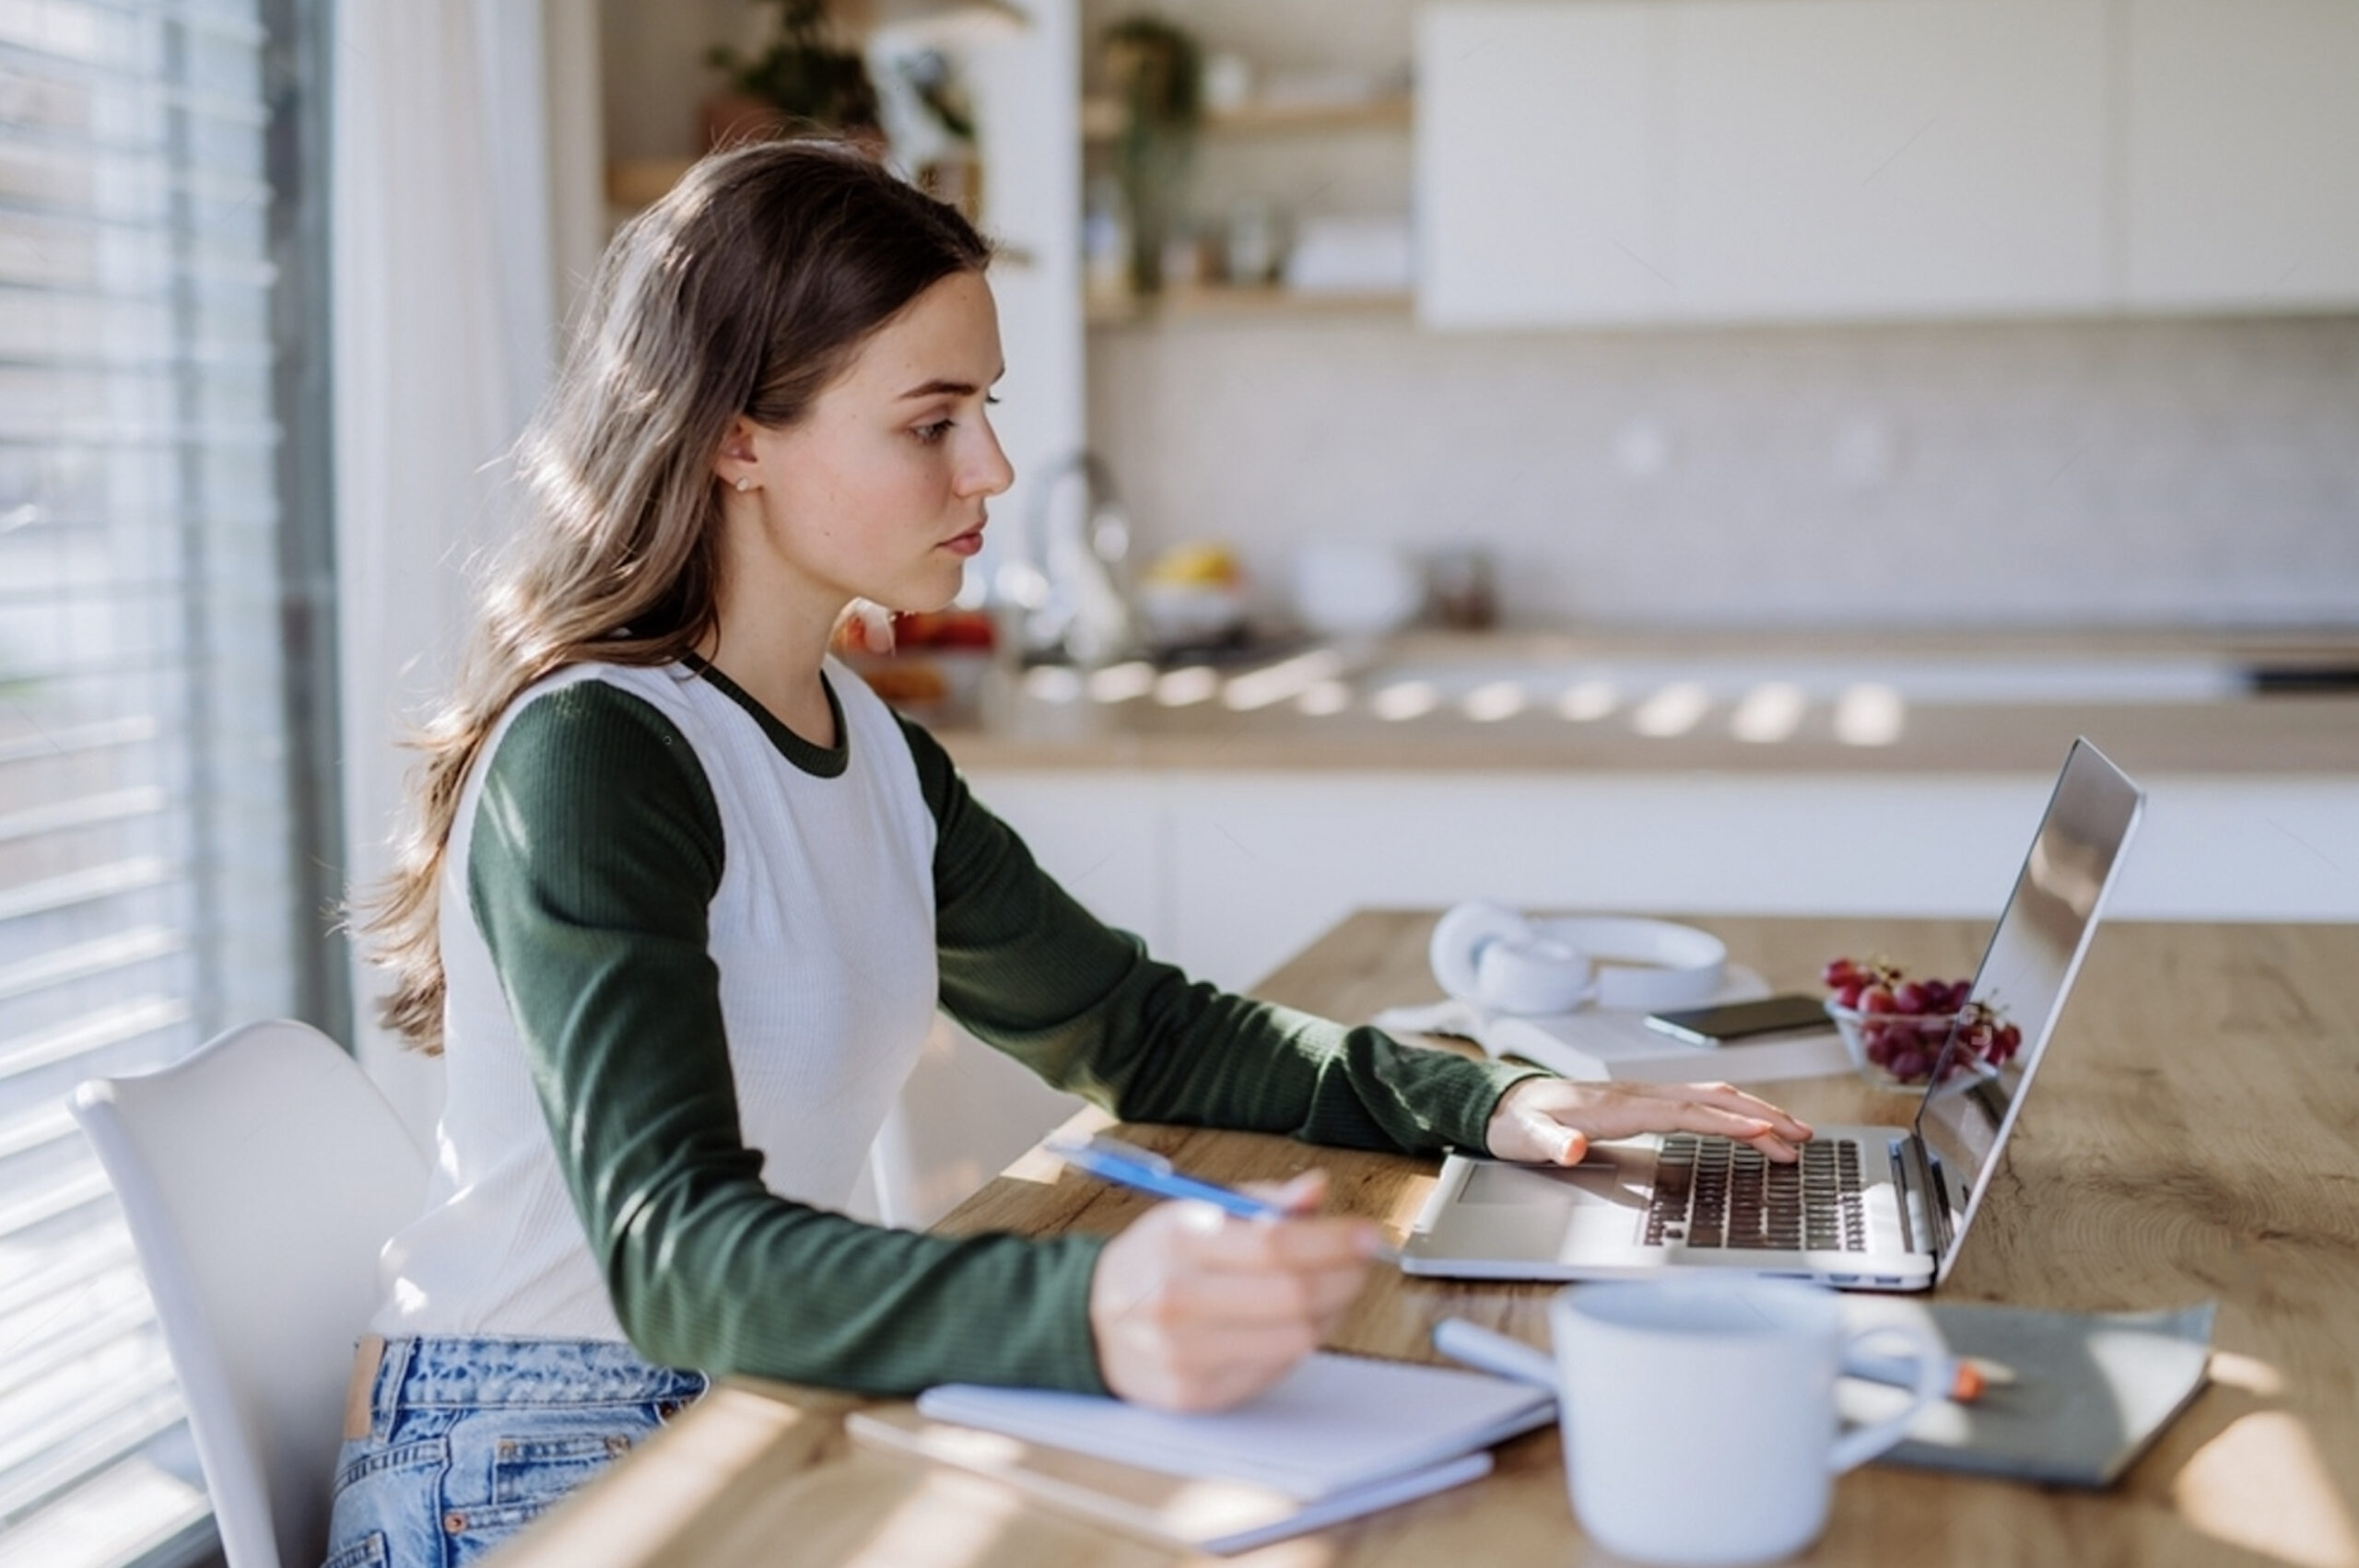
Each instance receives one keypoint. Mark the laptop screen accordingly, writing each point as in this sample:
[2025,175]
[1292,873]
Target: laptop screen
[2035,950]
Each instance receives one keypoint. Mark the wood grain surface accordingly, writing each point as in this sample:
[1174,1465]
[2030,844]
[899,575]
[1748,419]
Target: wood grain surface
[2194,1134]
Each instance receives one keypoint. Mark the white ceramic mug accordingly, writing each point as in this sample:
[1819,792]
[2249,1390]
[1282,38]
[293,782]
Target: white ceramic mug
[1699,1414]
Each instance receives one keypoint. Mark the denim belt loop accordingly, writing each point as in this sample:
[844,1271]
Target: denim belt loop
[393,1372]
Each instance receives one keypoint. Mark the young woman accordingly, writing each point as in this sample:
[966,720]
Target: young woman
[682,898]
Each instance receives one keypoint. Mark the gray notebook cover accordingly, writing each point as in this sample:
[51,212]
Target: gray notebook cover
[2090,1390]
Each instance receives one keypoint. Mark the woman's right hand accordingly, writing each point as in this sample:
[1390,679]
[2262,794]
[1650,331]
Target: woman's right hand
[1194,1309]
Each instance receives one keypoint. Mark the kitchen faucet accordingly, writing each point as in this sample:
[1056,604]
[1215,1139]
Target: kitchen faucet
[1068,582]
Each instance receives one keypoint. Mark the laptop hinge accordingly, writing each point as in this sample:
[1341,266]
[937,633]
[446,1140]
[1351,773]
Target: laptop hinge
[1912,1169]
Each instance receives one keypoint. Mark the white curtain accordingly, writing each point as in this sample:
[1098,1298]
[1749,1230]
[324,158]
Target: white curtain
[444,306]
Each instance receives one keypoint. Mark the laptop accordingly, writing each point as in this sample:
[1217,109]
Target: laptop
[1867,1207]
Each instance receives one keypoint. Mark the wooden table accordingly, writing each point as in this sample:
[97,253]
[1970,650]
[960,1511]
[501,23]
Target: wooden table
[2195,1134]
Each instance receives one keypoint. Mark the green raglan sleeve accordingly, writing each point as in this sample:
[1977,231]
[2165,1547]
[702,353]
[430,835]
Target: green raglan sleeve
[1028,969]
[595,853]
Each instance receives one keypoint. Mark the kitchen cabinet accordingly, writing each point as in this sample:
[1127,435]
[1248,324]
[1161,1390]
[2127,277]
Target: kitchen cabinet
[1836,157]
[1539,165]
[1227,871]
[2242,154]
[1720,160]
[1103,837]
[1825,160]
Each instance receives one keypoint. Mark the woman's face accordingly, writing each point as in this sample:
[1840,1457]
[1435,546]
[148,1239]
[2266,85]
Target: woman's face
[879,492]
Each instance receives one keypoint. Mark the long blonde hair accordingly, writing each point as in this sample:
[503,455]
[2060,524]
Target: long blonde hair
[746,289]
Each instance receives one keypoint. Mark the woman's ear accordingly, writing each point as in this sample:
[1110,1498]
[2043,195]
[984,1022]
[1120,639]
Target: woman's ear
[736,463]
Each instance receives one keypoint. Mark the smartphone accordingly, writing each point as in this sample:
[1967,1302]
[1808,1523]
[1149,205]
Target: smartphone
[1787,1014]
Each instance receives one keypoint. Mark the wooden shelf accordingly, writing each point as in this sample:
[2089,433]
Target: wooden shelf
[1101,118]
[1216,301]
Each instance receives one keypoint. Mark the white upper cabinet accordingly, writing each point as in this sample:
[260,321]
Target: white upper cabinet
[2242,162]
[1539,177]
[1599,161]
[1879,157]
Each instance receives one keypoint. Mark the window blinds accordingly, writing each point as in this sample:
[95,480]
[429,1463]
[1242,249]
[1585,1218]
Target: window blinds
[143,854]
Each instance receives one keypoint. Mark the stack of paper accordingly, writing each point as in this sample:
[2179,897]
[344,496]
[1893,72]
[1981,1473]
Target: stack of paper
[1604,1042]
[1341,1436]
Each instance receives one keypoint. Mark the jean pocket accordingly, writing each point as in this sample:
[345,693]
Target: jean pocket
[469,1532]
[537,1469]
[369,1551]
[365,1461]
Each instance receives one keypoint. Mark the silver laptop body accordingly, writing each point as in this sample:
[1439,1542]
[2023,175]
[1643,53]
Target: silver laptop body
[1902,1196]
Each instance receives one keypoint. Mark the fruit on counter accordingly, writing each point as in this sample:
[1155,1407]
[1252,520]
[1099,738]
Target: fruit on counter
[1198,564]
[929,661]
[942,628]
[1902,1024]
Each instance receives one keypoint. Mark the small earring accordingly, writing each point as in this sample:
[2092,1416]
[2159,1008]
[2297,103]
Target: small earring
[745,483]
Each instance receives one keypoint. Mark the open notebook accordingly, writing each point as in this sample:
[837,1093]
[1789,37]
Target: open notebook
[1341,1436]
[1605,1042]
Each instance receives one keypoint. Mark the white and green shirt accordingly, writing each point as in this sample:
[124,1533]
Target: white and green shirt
[691,958]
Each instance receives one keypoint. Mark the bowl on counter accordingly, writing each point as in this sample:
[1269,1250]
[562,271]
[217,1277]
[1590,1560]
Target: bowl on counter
[1355,588]
[1897,1050]
[1892,1050]
[1189,614]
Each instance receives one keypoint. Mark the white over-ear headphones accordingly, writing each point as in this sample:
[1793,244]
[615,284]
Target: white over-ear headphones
[1495,958]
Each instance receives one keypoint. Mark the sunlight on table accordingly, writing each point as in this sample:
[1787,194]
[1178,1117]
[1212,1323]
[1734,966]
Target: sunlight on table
[949,1521]
[2254,1376]
[2261,1485]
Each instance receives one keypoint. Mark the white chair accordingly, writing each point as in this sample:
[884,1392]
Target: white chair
[260,1177]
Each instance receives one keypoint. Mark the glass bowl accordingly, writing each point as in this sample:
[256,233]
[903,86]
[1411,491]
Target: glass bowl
[1189,615]
[1894,1050]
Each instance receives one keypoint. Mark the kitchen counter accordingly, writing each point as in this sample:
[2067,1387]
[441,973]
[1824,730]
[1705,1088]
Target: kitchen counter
[1520,702]
[1890,775]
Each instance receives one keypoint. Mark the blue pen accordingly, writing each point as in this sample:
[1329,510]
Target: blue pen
[1126,1164]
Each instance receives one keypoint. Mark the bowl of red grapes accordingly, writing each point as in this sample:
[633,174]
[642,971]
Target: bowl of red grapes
[1894,1026]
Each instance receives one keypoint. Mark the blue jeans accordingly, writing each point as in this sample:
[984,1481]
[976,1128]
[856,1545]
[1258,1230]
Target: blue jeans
[470,1440]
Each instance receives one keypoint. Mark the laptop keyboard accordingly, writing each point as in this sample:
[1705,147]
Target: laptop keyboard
[1713,1192]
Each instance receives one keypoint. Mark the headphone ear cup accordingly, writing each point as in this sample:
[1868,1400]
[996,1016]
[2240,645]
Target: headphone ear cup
[1488,954]
[1535,976]
[1462,935]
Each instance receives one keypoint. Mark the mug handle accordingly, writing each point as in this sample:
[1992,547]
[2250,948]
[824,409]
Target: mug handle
[1855,1448]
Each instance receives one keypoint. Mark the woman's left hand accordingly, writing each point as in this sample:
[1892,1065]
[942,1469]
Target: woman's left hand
[1551,1120]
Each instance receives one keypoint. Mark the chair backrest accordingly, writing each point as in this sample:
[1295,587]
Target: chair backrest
[260,1179]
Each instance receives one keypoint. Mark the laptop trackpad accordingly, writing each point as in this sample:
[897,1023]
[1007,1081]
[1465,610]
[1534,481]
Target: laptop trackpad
[1609,1177]
[1539,1211]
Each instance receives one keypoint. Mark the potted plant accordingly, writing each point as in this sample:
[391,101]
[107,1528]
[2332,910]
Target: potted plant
[945,159]
[806,81]
[1157,72]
